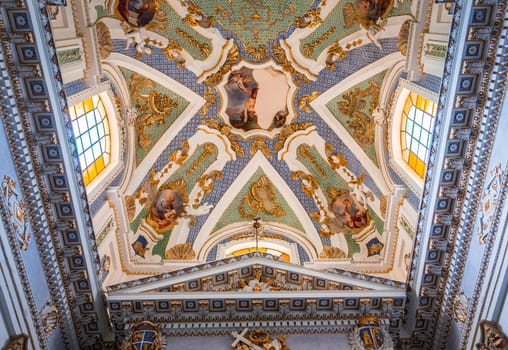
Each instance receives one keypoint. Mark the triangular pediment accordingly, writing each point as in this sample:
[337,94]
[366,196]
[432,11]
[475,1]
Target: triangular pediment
[257,273]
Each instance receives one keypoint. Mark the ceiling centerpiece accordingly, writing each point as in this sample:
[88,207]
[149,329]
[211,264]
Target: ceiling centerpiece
[257,99]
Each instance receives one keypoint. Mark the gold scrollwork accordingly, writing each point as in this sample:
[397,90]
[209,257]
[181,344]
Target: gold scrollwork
[173,51]
[261,198]
[232,59]
[210,99]
[306,153]
[207,183]
[104,39]
[196,18]
[258,52]
[153,108]
[336,160]
[289,130]
[330,252]
[208,149]
[308,49]
[279,56]
[361,123]
[304,100]
[182,251]
[226,131]
[259,145]
[203,48]
[310,19]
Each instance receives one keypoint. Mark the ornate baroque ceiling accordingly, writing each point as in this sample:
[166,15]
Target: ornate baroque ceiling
[236,110]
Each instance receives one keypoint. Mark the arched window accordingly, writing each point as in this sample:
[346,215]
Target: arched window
[91,129]
[416,131]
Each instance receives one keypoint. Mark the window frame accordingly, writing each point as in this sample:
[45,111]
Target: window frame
[399,165]
[99,183]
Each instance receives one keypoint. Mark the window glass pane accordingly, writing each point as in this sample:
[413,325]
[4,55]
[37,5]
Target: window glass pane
[82,126]
[89,158]
[96,149]
[88,104]
[86,141]
[94,135]
[79,110]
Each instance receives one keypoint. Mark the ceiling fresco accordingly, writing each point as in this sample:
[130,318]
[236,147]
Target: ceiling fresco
[266,110]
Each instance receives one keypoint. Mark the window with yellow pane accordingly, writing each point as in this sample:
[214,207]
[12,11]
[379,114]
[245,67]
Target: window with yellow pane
[416,131]
[91,131]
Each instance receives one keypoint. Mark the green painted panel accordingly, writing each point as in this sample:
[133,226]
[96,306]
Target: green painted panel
[154,131]
[255,22]
[232,215]
[177,30]
[355,115]
[319,168]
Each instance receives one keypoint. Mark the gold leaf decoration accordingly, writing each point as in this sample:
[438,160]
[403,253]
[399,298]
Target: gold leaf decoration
[159,21]
[256,52]
[259,145]
[304,100]
[261,199]
[361,124]
[289,130]
[104,39]
[196,18]
[308,49]
[226,131]
[204,48]
[153,108]
[310,19]
[173,51]
[210,99]
[330,252]
[309,183]
[279,56]
[232,59]
[336,160]
[182,251]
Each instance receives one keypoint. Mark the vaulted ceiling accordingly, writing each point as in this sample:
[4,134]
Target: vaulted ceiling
[232,113]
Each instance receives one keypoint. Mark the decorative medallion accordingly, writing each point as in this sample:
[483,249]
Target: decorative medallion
[144,336]
[17,211]
[369,335]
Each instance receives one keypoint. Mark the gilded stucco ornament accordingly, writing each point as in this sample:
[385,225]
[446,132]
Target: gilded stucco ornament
[258,340]
[492,337]
[259,145]
[279,56]
[310,19]
[304,100]
[361,124]
[260,199]
[336,52]
[289,130]
[232,59]
[226,131]
[182,251]
[257,52]
[104,39]
[403,37]
[152,107]
[17,211]
[18,342]
[330,252]
[335,159]
[195,17]
[49,317]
